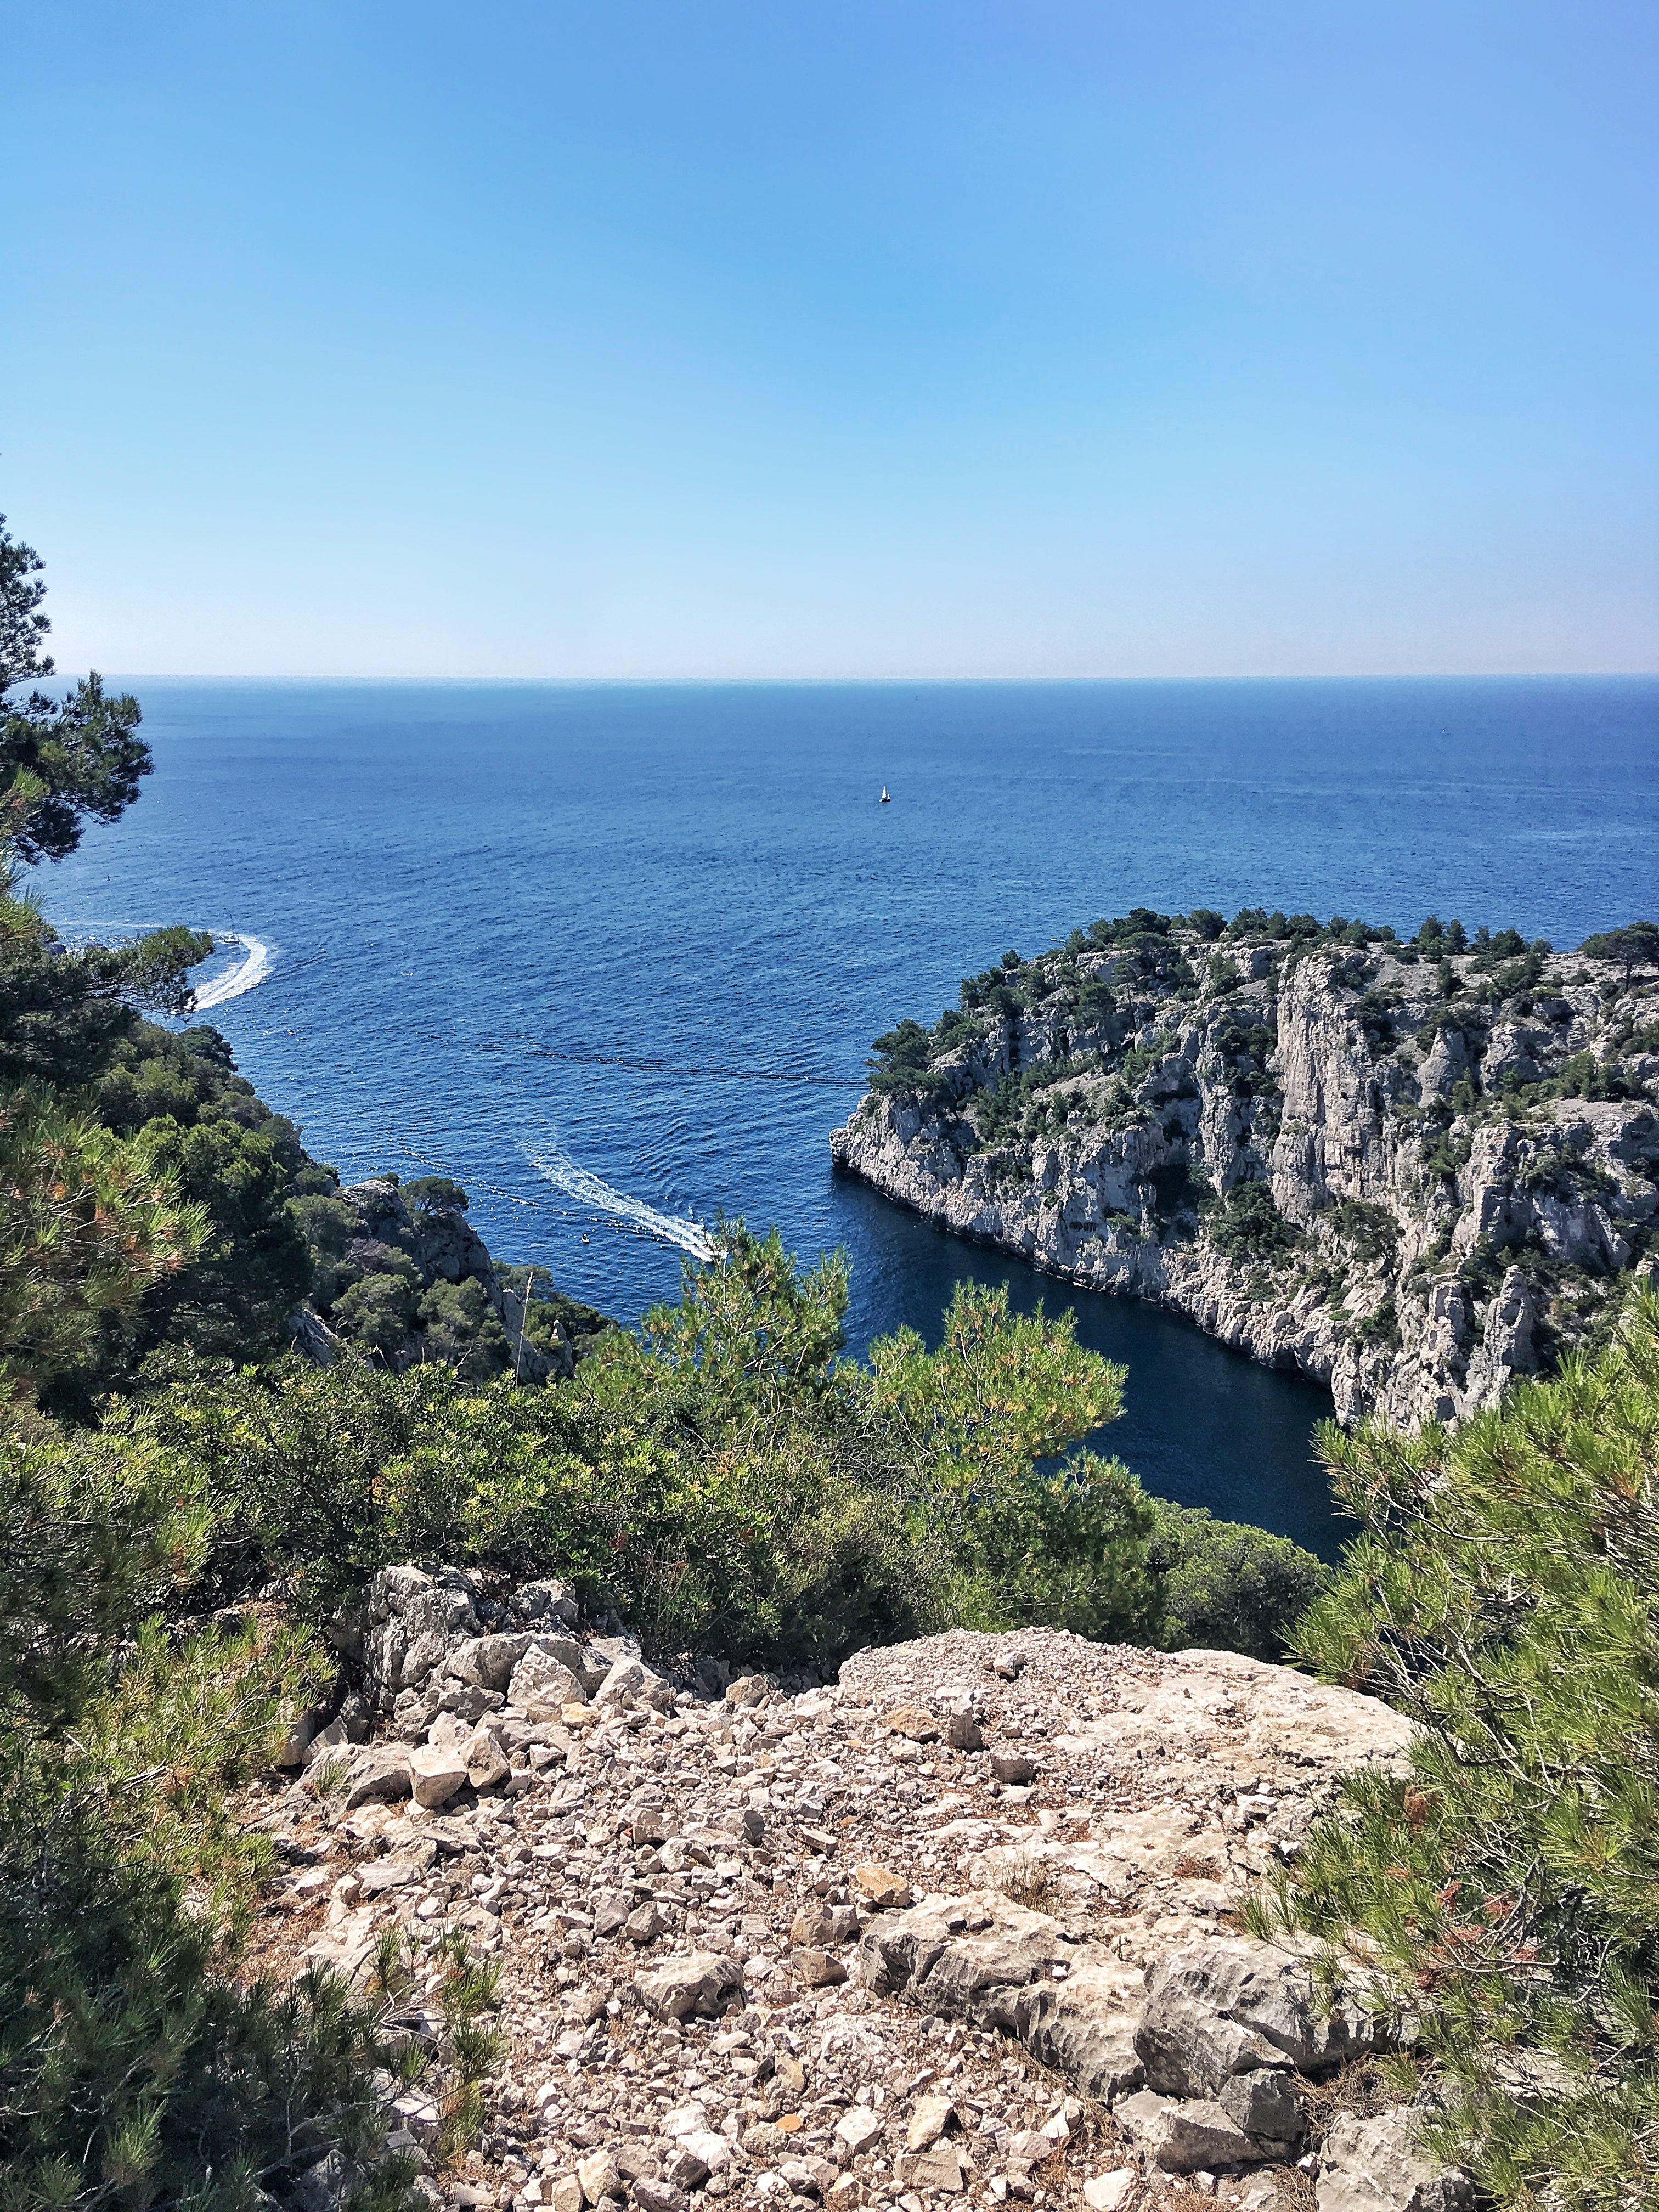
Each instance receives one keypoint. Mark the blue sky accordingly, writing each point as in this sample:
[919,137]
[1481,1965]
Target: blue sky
[795,338]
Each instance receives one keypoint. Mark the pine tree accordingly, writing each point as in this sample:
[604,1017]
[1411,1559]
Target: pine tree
[1505,1596]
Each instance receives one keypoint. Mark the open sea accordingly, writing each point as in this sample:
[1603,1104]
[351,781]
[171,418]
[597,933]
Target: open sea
[613,955]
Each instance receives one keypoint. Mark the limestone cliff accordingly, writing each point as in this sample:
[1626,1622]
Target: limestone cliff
[1410,1171]
[367,1233]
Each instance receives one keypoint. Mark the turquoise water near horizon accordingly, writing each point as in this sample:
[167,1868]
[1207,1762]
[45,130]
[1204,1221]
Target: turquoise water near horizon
[613,954]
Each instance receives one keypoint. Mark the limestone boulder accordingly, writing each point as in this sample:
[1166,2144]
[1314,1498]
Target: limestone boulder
[542,1684]
[937,2170]
[631,1683]
[1230,2006]
[485,1761]
[599,2178]
[858,2130]
[545,1600]
[697,1981]
[367,1773]
[1186,2135]
[985,1960]
[436,1774]
[1378,2166]
[486,1661]
[415,1620]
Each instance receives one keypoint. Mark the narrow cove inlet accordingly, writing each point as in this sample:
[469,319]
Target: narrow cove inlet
[828,1303]
[1201,1422]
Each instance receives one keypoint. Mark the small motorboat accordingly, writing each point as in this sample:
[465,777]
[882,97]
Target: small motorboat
[584,1237]
[886,799]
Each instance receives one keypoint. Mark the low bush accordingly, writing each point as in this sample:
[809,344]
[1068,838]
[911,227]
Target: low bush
[1369,1232]
[725,1478]
[1226,1586]
[133,2070]
[1249,1225]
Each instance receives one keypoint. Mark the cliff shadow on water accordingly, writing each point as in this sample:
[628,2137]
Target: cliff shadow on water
[1203,1424]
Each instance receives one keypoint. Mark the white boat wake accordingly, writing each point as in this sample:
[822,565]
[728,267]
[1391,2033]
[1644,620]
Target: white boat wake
[616,1206]
[252,969]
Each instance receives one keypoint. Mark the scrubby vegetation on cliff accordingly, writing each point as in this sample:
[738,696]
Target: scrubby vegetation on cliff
[723,1480]
[1412,1169]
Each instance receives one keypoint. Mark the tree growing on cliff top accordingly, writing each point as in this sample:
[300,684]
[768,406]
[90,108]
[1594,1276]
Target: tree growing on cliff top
[901,1063]
[69,762]
[1504,1595]
[1635,946]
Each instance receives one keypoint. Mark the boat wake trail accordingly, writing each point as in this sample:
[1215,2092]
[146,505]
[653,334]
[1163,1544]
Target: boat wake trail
[252,969]
[616,1206]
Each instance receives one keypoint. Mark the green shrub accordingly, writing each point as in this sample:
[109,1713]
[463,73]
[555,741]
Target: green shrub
[1381,1327]
[1369,1232]
[1635,946]
[1583,1076]
[461,1330]
[1226,1586]
[577,1323]
[378,1311]
[435,1194]
[133,2070]
[1445,1157]
[1504,1595]
[1249,1225]
[726,1477]
[902,1063]
[1094,1002]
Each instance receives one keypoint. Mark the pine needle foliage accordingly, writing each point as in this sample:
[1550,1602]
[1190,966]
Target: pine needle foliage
[134,2072]
[88,1223]
[1504,1593]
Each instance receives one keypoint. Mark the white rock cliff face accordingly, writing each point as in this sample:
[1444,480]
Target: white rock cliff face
[1445,1219]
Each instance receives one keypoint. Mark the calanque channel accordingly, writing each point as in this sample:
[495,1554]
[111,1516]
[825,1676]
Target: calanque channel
[960,1926]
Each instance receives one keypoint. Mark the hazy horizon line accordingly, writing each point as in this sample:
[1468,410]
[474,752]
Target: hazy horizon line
[1256,676]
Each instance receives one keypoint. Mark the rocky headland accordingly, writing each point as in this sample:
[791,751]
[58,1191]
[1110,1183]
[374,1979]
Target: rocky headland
[1410,1170]
[959,1925]
[403,1275]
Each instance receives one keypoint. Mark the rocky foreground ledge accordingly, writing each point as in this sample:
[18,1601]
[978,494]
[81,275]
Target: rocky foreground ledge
[960,1928]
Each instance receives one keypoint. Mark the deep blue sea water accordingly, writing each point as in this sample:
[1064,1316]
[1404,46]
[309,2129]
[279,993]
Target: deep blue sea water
[613,952]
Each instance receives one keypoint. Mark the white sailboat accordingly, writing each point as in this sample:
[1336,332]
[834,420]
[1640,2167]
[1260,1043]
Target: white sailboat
[885,799]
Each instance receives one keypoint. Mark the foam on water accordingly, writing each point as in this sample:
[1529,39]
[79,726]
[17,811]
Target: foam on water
[251,970]
[616,1206]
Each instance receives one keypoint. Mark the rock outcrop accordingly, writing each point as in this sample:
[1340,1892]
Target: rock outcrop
[1409,1179]
[809,1949]
[367,1229]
